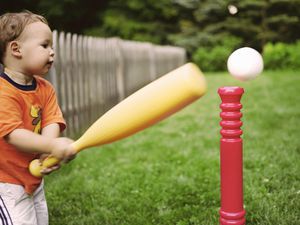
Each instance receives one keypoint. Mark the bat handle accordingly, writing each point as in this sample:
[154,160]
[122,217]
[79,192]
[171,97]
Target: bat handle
[36,166]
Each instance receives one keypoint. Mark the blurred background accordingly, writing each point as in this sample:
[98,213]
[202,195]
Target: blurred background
[208,30]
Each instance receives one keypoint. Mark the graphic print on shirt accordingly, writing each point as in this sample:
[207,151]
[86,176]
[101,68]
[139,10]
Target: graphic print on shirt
[36,114]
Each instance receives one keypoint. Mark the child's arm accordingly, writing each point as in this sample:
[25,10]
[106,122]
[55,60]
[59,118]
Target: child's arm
[28,141]
[51,130]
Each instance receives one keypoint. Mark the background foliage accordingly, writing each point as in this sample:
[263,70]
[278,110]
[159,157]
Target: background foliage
[205,28]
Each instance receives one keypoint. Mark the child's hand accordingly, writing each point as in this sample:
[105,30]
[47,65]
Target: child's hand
[62,149]
[49,169]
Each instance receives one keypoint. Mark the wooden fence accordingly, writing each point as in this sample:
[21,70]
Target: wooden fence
[92,74]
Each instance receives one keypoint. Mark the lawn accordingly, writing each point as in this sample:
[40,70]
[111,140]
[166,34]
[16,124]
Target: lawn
[169,173]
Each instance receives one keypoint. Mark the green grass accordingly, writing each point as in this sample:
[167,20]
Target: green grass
[169,173]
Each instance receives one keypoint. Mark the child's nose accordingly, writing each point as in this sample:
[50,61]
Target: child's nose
[52,52]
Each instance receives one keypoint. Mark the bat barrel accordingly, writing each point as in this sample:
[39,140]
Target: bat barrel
[149,105]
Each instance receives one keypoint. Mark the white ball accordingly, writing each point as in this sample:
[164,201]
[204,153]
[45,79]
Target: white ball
[232,9]
[245,64]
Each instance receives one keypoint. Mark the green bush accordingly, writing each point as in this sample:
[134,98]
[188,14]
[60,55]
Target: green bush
[295,55]
[276,56]
[282,56]
[215,58]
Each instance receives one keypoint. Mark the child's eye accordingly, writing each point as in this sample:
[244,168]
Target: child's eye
[44,45]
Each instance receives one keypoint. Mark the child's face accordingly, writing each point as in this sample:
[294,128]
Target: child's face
[36,49]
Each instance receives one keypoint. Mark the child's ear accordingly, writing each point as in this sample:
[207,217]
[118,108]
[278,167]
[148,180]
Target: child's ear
[15,49]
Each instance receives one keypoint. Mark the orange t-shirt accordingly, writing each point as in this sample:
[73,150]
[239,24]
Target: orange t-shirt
[30,107]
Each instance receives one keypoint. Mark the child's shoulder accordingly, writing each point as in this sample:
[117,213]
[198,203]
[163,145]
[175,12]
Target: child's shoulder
[5,86]
[7,90]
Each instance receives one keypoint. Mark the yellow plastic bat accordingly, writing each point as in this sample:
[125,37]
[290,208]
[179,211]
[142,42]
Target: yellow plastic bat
[149,105]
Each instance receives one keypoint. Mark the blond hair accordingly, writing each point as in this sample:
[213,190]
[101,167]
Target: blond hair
[12,25]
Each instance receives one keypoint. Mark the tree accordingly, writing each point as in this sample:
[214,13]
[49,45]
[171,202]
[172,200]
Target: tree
[255,23]
[68,15]
[259,22]
[147,20]
[188,23]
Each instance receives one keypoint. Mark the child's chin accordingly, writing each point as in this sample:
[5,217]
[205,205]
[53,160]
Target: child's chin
[45,71]
[42,73]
